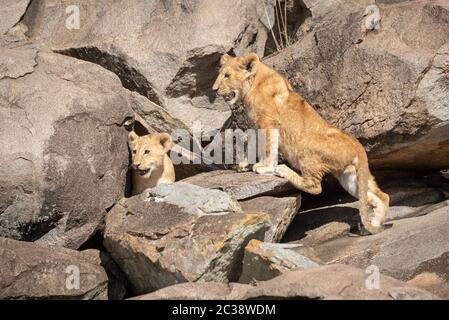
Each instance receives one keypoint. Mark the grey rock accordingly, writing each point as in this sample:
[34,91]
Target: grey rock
[411,246]
[241,185]
[178,233]
[390,90]
[332,282]
[280,210]
[12,11]
[64,156]
[31,271]
[263,261]
[166,51]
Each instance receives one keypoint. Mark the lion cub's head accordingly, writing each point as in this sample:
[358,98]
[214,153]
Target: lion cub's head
[148,152]
[233,76]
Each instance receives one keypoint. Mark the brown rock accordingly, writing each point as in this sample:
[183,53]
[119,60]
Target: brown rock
[332,282]
[178,233]
[263,261]
[31,271]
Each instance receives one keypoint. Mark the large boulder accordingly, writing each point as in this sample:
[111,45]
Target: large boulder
[333,282]
[64,156]
[31,271]
[390,88]
[166,51]
[180,233]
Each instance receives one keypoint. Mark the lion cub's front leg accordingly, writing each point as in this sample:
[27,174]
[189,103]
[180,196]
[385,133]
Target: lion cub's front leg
[269,163]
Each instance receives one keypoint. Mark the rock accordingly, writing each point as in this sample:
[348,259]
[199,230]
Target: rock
[280,210]
[411,246]
[332,282]
[390,90]
[31,271]
[178,233]
[432,283]
[12,11]
[241,185]
[326,232]
[263,261]
[64,157]
[332,215]
[166,51]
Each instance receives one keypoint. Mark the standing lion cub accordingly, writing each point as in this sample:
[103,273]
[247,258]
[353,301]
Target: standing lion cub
[150,162]
[309,144]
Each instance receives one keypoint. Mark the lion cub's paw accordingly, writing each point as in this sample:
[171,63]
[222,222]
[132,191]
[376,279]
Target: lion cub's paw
[282,171]
[263,168]
[243,167]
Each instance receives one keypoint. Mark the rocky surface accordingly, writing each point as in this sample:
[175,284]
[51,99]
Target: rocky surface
[280,210]
[390,89]
[336,282]
[31,271]
[166,51]
[12,11]
[64,157]
[264,261]
[69,94]
[241,185]
[411,246]
[148,234]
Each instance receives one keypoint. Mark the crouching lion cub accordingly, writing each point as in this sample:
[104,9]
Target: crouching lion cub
[309,144]
[150,162]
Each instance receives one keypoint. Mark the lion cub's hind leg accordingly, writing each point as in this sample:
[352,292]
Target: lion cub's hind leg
[377,200]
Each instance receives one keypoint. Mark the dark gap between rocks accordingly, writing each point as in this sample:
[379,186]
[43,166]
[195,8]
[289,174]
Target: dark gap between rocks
[297,13]
[131,78]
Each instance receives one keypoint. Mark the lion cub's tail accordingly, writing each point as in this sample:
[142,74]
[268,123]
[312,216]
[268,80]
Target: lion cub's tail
[363,174]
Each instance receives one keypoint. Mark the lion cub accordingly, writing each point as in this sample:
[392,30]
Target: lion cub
[150,162]
[309,144]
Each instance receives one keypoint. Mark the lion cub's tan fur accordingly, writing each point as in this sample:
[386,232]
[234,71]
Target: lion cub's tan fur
[309,144]
[150,162]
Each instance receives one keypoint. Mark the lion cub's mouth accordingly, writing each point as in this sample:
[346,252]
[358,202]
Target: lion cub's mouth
[143,172]
[229,96]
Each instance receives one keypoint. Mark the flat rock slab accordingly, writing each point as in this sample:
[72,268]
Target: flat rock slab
[31,271]
[159,238]
[332,282]
[411,246]
[241,185]
[264,261]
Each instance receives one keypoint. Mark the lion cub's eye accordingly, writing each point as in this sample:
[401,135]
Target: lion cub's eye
[134,151]
[147,152]
[226,75]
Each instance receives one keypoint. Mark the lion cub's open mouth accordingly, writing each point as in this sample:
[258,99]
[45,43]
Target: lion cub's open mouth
[229,96]
[143,172]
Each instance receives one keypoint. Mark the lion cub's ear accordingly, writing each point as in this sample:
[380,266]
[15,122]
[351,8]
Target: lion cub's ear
[249,61]
[132,138]
[224,58]
[166,141]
